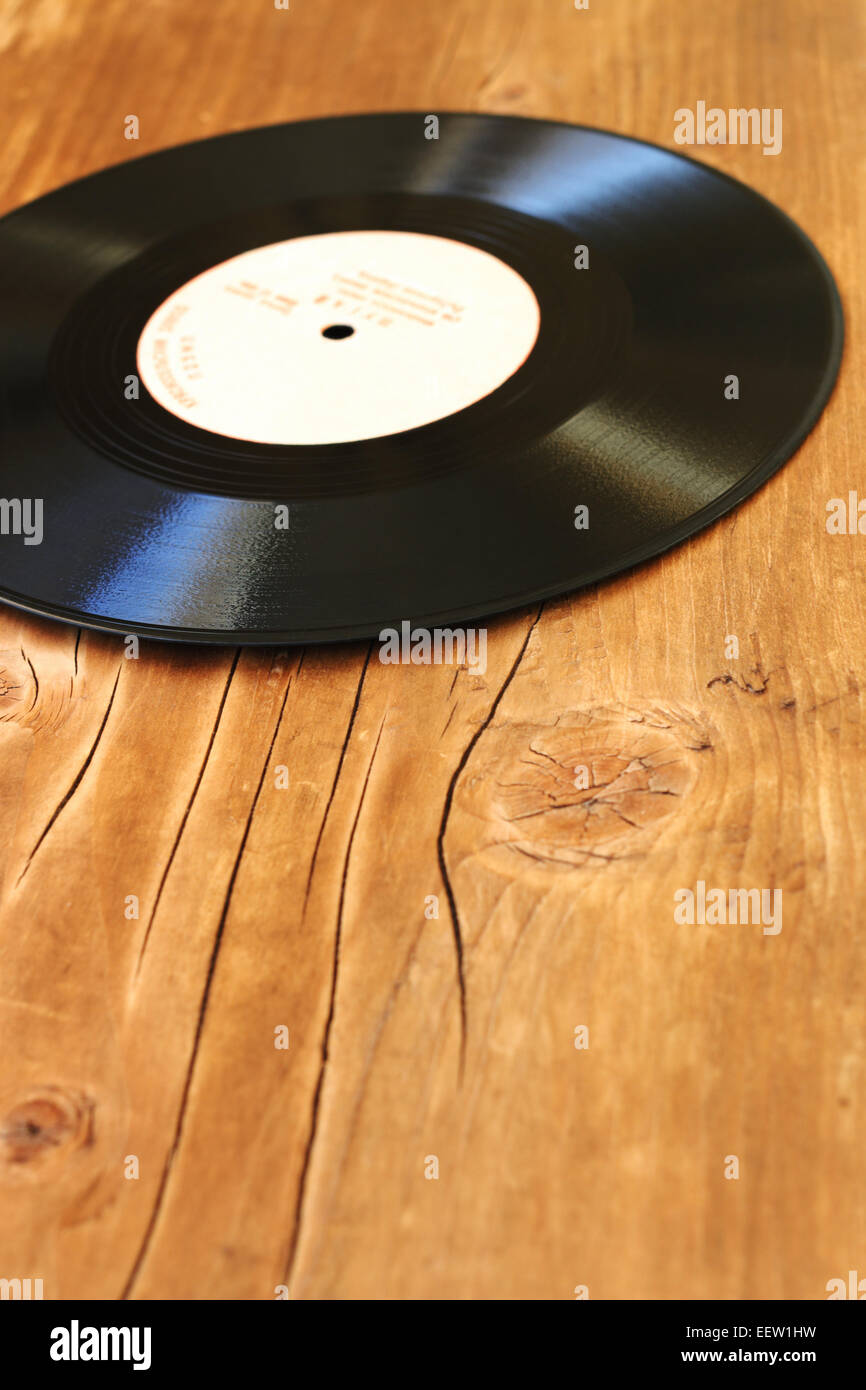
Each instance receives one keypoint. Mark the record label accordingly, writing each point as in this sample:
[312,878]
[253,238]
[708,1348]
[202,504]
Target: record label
[335,337]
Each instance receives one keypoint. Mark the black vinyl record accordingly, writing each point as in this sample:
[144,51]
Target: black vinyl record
[306,382]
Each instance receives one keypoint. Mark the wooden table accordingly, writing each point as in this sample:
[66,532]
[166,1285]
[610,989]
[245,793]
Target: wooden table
[148,1044]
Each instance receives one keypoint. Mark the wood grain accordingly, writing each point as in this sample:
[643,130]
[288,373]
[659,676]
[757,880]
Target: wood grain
[304,907]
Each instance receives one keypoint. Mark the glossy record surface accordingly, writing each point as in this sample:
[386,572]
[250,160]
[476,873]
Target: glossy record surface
[154,526]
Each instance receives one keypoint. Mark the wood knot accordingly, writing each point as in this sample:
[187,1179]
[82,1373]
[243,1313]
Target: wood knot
[590,788]
[17,686]
[50,1121]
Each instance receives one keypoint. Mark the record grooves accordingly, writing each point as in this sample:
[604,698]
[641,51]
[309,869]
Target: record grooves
[585,317]
[431,453]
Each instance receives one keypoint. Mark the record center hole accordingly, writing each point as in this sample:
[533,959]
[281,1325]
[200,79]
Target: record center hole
[338,330]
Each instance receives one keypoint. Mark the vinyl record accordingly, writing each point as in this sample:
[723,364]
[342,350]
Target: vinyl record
[303,383]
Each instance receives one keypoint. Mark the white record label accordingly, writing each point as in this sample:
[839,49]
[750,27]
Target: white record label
[336,337]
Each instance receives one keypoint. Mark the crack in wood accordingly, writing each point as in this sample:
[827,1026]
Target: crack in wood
[326,1037]
[184,1099]
[314,856]
[185,816]
[443,825]
[75,784]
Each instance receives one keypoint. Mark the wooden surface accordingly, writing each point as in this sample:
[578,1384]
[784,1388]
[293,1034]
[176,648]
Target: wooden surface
[304,907]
